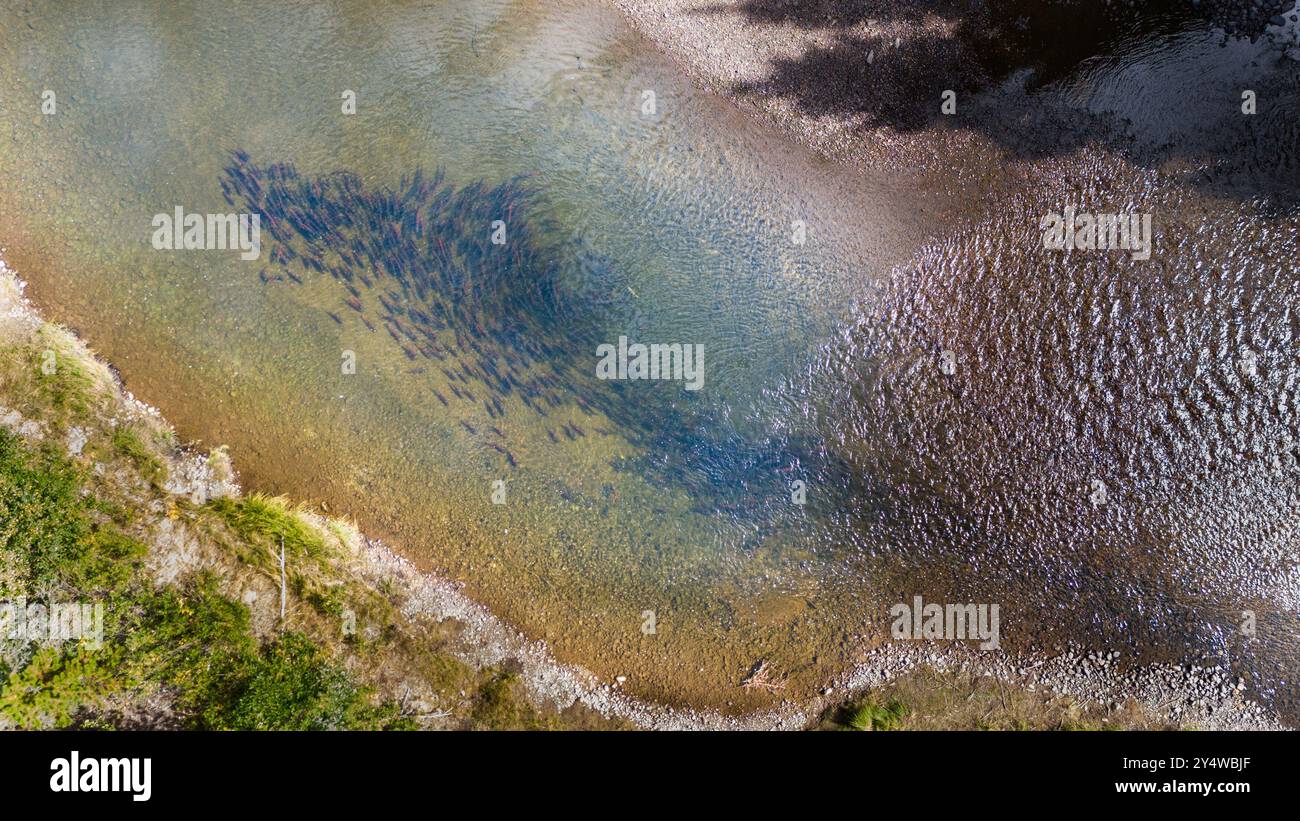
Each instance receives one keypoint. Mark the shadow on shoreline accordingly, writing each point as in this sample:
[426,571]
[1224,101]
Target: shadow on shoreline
[888,65]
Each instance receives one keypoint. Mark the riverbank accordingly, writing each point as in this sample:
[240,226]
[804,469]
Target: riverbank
[170,543]
[104,505]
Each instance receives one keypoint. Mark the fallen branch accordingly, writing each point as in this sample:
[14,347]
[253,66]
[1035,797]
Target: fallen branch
[761,677]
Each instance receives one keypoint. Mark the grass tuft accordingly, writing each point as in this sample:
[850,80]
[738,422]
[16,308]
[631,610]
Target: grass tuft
[872,715]
[128,444]
[265,520]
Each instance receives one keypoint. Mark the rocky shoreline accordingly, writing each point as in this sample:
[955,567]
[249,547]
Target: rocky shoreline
[843,78]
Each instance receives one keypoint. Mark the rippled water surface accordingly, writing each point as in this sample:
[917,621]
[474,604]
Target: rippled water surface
[1172,383]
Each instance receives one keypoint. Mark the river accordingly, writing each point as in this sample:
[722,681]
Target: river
[891,404]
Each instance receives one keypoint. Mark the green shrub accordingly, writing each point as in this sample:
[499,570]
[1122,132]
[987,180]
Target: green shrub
[200,643]
[55,685]
[44,528]
[192,641]
[197,642]
[291,687]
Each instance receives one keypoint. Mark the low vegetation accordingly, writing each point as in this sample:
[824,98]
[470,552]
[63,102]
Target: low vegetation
[927,699]
[187,589]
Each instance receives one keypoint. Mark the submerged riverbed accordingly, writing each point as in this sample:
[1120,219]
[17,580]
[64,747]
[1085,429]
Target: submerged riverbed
[645,530]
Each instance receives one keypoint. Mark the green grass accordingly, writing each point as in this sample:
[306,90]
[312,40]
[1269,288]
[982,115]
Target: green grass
[925,698]
[263,521]
[260,525]
[45,531]
[872,715]
[128,444]
[498,705]
[1077,725]
[65,389]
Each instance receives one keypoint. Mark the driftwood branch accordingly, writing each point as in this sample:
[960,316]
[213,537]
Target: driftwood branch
[762,677]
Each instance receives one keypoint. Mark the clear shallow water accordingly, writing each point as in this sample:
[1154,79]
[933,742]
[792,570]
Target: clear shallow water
[672,227]
[820,358]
